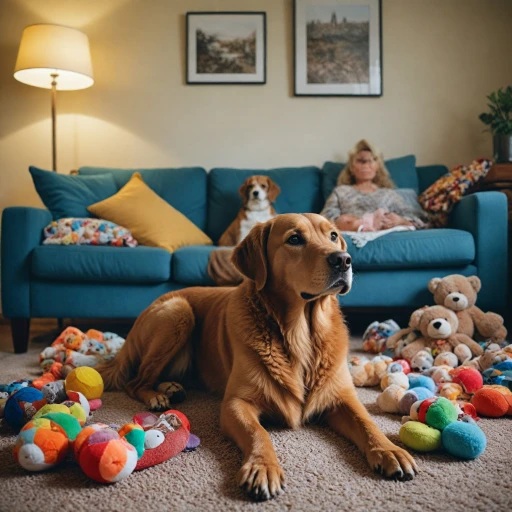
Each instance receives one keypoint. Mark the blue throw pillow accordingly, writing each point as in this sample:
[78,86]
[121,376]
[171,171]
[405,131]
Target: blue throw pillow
[68,195]
[402,171]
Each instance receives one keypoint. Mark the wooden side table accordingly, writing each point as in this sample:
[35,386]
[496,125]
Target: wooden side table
[499,178]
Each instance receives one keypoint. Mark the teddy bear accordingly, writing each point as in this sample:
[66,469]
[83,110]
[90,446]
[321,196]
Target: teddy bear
[438,327]
[459,293]
[368,373]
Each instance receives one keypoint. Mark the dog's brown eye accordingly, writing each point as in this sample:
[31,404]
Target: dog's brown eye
[334,236]
[295,240]
[263,186]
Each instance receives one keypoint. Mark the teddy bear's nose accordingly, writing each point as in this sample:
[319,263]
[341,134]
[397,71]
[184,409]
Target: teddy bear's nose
[456,299]
[437,325]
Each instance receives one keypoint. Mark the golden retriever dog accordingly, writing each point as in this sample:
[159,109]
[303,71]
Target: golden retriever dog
[258,193]
[274,346]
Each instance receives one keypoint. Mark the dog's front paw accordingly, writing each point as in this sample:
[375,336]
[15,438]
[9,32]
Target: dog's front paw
[392,462]
[261,480]
[173,390]
[158,402]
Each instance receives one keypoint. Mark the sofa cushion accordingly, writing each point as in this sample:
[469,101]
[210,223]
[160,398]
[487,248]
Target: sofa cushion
[402,171]
[190,265]
[183,188]
[69,196]
[101,264]
[414,249]
[300,193]
[151,220]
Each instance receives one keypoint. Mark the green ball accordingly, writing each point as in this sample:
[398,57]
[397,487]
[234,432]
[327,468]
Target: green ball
[441,413]
[420,437]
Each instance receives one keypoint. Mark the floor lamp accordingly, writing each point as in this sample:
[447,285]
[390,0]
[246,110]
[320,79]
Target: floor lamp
[57,58]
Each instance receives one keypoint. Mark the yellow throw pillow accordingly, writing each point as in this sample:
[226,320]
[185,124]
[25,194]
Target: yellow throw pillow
[151,220]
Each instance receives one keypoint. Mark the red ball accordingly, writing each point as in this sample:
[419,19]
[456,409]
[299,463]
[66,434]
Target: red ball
[490,402]
[469,378]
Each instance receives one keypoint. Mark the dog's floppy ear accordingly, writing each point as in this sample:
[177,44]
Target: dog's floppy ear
[250,255]
[273,190]
[243,190]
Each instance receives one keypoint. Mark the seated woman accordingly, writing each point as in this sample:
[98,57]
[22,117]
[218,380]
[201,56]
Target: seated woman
[364,198]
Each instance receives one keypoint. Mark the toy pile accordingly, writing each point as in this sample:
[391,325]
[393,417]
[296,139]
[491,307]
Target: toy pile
[55,421]
[73,349]
[436,375]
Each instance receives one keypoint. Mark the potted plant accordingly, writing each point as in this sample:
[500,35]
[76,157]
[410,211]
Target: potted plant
[499,120]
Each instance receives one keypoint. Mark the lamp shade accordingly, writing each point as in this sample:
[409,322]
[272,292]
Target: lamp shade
[47,49]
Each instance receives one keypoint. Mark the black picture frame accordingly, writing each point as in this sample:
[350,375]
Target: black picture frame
[375,83]
[193,77]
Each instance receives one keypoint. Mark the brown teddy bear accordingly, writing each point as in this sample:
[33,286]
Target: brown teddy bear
[438,326]
[459,294]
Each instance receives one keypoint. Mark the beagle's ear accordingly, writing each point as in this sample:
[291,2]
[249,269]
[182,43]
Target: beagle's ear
[250,255]
[243,190]
[273,190]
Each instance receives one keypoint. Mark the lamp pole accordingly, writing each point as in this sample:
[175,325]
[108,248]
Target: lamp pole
[54,141]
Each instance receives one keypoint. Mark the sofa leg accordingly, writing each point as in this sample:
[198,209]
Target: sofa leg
[20,328]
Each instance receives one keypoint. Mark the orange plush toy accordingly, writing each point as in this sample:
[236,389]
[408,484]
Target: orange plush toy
[493,401]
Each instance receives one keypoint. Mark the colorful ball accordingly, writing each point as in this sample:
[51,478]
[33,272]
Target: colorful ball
[22,405]
[464,440]
[106,457]
[44,441]
[85,380]
[420,437]
[417,380]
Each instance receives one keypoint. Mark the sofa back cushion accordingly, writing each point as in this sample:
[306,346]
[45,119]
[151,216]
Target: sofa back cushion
[300,193]
[183,188]
[402,171]
[69,196]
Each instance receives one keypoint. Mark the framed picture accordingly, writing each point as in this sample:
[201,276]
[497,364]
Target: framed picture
[338,47]
[226,47]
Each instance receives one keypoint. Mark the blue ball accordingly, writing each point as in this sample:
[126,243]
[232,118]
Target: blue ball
[416,380]
[464,440]
[14,412]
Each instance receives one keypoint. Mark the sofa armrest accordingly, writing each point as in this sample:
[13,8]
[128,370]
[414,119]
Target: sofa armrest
[22,231]
[484,215]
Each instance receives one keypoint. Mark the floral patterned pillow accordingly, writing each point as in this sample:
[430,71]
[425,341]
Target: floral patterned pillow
[85,231]
[441,196]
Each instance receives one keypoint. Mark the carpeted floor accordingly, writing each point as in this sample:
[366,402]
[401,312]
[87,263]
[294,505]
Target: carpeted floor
[323,471]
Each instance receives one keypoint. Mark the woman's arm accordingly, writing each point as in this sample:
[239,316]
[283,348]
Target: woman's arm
[348,222]
[332,208]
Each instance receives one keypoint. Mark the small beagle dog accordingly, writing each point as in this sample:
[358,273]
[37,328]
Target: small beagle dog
[258,194]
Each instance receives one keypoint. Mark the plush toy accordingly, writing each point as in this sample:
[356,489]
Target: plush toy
[438,326]
[464,440]
[394,378]
[21,406]
[446,359]
[420,437]
[376,334]
[406,367]
[86,381]
[459,293]
[389,399]
[14,386]
[44,441]
[494,354]
[412,396]
[436,412]
[422,360]
[439,374]
[54,392]
[493,401]
[450,390]
[416,380]
[470,379]
[368,373]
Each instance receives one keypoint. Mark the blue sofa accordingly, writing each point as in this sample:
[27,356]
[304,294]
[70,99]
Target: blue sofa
[110,282]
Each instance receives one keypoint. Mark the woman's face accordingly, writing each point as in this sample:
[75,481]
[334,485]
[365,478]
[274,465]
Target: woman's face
[364,167]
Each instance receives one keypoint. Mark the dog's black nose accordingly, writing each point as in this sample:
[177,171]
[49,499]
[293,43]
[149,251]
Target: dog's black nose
[255,193]
[456,299]
[437,325]
[339,260]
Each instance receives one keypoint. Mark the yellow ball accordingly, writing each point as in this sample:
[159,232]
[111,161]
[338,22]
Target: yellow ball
[420,437]
[85,380]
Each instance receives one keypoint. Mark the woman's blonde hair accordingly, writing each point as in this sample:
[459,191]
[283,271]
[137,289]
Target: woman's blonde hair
[382,178]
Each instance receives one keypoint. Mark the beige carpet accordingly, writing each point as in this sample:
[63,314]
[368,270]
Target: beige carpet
[323,471]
